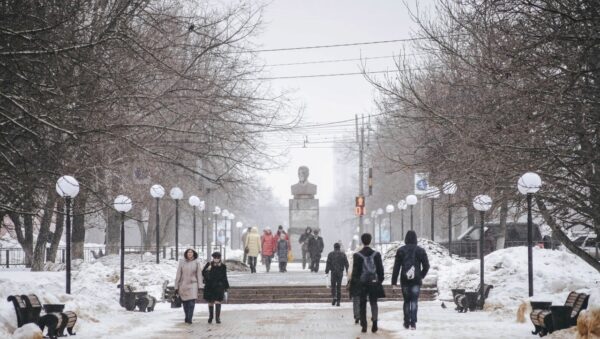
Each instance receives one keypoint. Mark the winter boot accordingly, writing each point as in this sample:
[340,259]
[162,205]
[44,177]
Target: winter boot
[218,315]
[374,328]
[211,311]
[337,302]
[332,303]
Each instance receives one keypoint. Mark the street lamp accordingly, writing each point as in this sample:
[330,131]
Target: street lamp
[202,208]
[433,193]
[481,203]
[225,214]
[122,204]
[157,192]
[239,225]
[449,188]
[390,209]
[528,184]
[379,214]
[176,194]
[216,213]
[231,217]
[194,201]
[411,200]
[68,188]
[373,216]
[402,206]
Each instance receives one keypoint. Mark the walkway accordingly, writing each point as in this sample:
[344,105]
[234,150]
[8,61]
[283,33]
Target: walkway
[295,275]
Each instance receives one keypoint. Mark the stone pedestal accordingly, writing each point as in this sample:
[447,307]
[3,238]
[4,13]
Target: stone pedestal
[303,213]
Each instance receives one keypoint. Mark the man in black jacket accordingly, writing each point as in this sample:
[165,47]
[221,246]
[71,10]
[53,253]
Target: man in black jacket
[367,272]
[412,264]
[337,262]
[304,243]
[315,248]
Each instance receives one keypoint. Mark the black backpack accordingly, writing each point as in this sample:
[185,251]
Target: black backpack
[368,275]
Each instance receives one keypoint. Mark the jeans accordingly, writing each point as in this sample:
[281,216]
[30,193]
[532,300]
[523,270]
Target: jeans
[363,308]
[314,263]
[305,256]
[336,285]
[252,263]
[268,259]
[188,309]
[410,294]
[356,307]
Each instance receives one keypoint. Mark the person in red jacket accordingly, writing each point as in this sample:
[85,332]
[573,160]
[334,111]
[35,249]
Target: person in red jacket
[268,242]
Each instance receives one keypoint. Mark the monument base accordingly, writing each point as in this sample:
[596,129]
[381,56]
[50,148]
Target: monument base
[303,213]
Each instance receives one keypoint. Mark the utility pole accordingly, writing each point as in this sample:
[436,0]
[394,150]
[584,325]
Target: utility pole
[361,145]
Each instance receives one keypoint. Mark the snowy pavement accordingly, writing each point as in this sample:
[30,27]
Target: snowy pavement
[295,275]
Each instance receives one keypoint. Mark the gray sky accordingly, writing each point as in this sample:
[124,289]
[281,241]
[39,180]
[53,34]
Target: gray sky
[298,23]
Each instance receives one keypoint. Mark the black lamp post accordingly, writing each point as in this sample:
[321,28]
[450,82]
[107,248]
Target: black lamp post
[482,203]
[402,206]
[433,193]
[176,194]
[390,209]
[449,189]
[68,188]
[157,192]
[528,184]
[411,200]
[195,202]
[122,204]
[202,208]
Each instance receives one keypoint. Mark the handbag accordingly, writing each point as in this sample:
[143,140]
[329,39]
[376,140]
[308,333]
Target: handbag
[246,250]
[290,256]
[176,301]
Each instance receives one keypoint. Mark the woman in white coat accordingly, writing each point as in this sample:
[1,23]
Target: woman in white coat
[187,282]
[252,248]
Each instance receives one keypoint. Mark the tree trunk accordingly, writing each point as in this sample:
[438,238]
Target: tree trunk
[58,230]
[562,237]
[113,232]
[503,216]
[42,239]
[27,243]
[78,231]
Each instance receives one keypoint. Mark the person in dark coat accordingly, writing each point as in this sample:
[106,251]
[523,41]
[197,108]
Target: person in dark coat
[368,288]
[315,248]
[215,286]
[337,263]
[304,243]
[412,264]
[282,253]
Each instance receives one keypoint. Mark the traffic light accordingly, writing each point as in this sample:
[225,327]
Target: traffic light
[370,181]
[360,206]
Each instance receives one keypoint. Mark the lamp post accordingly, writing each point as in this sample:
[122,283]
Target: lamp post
[157,192]
[390,209]
[449,188]
[373,218]
[482,203]
[379,214]
[68,188]
[216,213]
[239,225]
[176,194]
[194,201]
[402,206]
[122,204]
[433,193]
[411,200]
[202,207]
[528,184]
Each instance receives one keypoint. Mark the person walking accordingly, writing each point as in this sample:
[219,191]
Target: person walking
[367,272]
[354,290]
[277,236]
[252,247]
[315,247]
[215,286]
[187,282]
[412,264]
[304,243]
[268,249]
[282,253]
[244,236]
[337,263]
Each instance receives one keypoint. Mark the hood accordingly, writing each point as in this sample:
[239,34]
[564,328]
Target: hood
[254,230]
[190,249]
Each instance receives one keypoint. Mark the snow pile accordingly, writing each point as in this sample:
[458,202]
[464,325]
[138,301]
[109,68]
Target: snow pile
[556,273]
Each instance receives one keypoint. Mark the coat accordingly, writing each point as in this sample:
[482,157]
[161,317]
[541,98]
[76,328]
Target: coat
[282,250]
[215,281]
[315,246]
[268,244]
[304,239]
[253,243]
[337,262]
[373,290]
[421,264]
[276,238]
[188,279]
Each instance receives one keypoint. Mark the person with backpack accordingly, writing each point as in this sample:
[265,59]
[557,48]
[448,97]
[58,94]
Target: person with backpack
[315,247]
[367,274]
[337,262]
[412,264]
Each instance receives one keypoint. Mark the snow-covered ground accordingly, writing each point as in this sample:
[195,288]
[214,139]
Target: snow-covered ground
[95,294]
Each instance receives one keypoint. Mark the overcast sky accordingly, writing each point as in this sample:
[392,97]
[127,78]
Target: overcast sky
[298,23]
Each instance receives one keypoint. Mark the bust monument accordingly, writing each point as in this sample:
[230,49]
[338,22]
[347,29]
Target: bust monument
[304,189]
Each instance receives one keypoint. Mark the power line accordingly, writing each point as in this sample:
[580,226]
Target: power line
[335,60]
[321,75]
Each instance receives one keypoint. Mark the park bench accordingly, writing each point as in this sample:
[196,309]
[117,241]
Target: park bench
[140,299]
[470,300]
[547,318]
[29,310]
